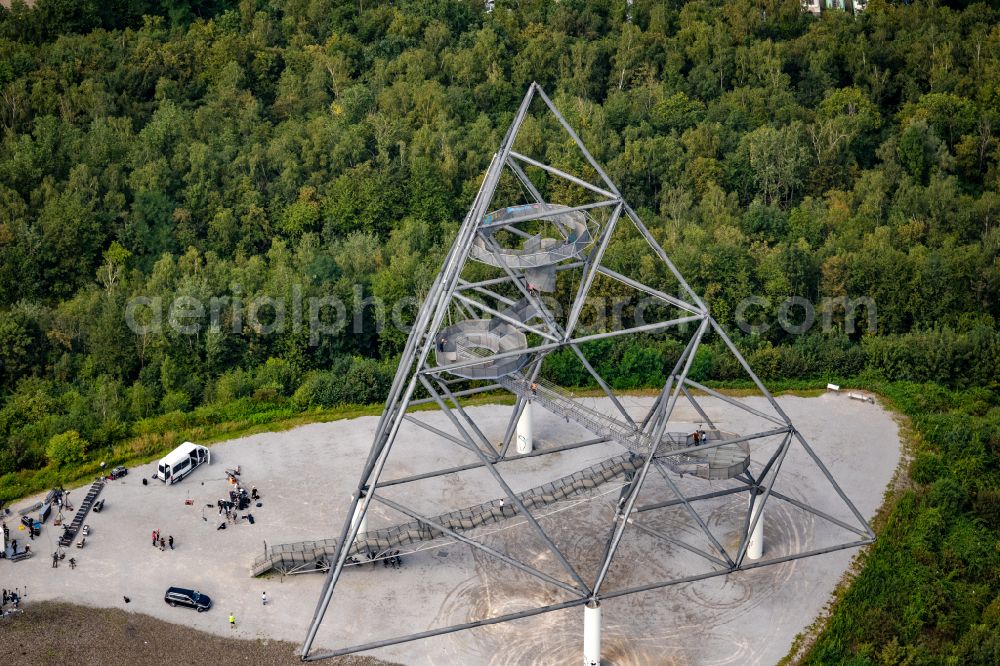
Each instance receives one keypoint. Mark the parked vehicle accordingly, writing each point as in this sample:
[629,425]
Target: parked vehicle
[181,461]
[179,596]
[118,472]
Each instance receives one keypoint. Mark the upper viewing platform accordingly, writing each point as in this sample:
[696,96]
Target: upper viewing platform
[537,250]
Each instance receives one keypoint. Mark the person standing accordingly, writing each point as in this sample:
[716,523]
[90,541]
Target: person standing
[263,598]
[163,544]
[232,620]
[170,540]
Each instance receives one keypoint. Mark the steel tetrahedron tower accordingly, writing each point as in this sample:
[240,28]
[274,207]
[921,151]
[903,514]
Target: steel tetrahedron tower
[536,232]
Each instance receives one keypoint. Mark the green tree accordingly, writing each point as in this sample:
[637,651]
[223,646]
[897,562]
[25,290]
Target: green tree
[66,449]
[777,159]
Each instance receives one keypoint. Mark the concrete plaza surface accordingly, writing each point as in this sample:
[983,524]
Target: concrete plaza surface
[305,477]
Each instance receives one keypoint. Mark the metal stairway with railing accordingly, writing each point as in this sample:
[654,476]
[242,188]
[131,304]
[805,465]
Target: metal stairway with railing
[486,339]
[69,531]
[311,556]
[714,463]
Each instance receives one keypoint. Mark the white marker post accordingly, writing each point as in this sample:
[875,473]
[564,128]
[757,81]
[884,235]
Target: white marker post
[755,548]
[524,433]
[357,516]
[592,634]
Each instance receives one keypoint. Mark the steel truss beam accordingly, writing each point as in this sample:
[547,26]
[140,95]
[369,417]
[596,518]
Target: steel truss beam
[694,514]
[645,328]
[588,271]
[541,610]
[465,285]
[551,213]
[638,286]
[541,575]
[603,384]
[418,346]
[464,468]
[562,174]
[515,500]
[450,293]
[519,406]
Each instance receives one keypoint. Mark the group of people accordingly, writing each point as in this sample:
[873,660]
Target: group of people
[239,499]
[32,526]
[59,498]
[11,597]
[699,437]
[393,560]
[58,555]
[158,540]
[389,559]
[231,509]
[12,543]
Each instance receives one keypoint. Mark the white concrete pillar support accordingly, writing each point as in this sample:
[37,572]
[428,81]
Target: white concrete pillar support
[592,634]
[357,516]
[755,547]
[524,437]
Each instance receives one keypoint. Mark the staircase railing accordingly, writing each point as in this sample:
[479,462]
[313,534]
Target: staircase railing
[307,556]
[69,531]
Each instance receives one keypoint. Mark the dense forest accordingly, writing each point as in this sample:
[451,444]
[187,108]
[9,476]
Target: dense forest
[306,148]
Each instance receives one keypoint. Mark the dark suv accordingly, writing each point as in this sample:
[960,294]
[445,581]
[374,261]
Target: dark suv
[179,596]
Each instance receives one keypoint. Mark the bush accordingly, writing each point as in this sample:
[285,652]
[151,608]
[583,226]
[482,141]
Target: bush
[941,356]
[980,646]
[66,448]
[175,401]
[766,362]
[987,507]
[316,390]
[926,467]
[232,385]
[564,368]
[109,432]
[640,366]
[701,367]
[366,383]
[948,495]
[276,374]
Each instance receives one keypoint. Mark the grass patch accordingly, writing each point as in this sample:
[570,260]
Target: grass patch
[928,590]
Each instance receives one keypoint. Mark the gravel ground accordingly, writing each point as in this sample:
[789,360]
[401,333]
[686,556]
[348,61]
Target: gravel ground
[57,633]
[306,475]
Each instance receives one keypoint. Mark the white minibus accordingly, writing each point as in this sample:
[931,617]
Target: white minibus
[181,461]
